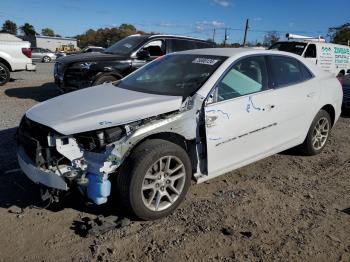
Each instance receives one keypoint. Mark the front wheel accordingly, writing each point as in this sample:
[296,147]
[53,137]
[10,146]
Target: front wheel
[318,134]
[155,179]
[104,79]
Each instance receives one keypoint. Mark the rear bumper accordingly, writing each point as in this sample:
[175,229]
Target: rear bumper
[30,67]
[39,176]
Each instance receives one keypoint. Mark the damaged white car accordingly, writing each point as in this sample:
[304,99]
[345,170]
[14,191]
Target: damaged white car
[191,115]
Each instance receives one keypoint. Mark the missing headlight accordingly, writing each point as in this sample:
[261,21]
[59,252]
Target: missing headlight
[96,140]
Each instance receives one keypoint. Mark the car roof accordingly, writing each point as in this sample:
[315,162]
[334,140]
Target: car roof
[231,52]
[150,36]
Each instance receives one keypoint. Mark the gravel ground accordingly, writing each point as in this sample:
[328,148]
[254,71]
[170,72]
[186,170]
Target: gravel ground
[283,208]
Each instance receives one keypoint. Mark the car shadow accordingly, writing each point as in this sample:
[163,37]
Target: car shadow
[345,113]
[17,191]
[37,93]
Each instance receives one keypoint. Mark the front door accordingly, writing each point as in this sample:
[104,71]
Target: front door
[241,123]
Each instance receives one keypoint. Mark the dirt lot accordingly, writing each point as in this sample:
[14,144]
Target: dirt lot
[284,208]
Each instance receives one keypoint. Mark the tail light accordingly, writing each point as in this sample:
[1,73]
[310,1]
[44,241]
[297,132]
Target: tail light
[27,52]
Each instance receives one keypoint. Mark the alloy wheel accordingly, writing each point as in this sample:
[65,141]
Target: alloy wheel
[163,183]
[320,133]
[3,74]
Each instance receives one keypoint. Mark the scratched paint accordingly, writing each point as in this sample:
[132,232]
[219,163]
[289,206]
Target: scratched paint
[224,114]
[251,106]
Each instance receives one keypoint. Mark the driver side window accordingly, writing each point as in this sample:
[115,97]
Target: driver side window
[245,77]
[155,48]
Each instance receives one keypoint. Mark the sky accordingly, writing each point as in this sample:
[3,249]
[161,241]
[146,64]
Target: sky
[186,17]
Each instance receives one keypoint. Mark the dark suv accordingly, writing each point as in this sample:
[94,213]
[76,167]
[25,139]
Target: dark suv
[89,69]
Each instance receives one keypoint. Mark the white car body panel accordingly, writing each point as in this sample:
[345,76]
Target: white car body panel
[11,51]
[100,107]
[238,131]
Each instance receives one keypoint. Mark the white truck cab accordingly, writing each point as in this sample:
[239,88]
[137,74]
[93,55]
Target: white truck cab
[332,58]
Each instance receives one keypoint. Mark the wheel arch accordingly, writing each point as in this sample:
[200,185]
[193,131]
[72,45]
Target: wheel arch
[5,63]
[331,111]
[188,145]
[116,74]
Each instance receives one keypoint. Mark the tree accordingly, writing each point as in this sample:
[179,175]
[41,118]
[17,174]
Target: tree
[9,27]
[27,29]
[271,37]
[106,36]
[47,32]
[340,34]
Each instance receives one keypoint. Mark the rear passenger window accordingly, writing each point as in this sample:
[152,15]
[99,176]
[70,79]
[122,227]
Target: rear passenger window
[247,76]
[286,71]
[177,45]
[199,45]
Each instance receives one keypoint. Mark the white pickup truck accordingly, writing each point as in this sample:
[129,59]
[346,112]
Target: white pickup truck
[15,55]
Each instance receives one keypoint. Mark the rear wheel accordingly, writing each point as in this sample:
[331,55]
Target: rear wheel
[155,179]
[4,74]
[318,134]
[46,59]
[105,79]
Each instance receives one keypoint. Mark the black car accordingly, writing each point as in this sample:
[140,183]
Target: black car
[89,69]
[346,91]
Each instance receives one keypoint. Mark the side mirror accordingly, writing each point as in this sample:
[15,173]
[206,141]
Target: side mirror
[143,54]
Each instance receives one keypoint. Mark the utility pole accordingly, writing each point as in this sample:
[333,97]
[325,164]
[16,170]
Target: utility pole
[245,32]
[214,35]
[225,38]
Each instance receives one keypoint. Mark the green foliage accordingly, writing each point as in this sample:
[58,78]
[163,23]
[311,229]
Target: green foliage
[27,29]
[9,27]
[47,32]
[340,34]
[106,36]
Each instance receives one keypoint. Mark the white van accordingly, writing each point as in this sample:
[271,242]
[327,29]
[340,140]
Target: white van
[330,57]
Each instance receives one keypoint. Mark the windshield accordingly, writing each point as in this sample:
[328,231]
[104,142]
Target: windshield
[125,46]
[175,75]
[291,47]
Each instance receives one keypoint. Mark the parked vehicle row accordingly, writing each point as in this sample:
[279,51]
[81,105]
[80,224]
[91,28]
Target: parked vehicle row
[189,115]
[15,55]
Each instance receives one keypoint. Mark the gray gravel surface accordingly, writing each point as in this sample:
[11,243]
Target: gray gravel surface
[283,208]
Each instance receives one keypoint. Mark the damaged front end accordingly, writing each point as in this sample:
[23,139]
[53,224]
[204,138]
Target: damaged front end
[87,160]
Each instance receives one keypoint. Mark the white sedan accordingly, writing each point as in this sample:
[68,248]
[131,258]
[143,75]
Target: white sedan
[191,115]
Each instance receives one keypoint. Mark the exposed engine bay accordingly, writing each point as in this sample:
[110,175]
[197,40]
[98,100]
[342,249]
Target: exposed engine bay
[87,160]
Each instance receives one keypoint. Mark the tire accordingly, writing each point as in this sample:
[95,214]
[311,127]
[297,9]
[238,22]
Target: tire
[139,194]
[104,79]
[46,59]
[315,140]
[4,74]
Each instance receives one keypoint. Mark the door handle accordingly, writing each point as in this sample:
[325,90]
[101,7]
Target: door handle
[310,95]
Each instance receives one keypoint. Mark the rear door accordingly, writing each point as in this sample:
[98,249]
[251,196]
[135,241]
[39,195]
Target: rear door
[298,95]
[36,54]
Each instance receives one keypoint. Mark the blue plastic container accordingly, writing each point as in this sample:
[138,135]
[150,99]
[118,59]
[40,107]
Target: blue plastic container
[99,188]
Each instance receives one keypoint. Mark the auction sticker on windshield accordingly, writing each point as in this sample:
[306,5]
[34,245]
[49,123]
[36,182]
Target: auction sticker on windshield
[205,61]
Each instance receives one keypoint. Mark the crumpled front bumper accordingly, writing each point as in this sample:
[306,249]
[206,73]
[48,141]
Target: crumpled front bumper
[39,176]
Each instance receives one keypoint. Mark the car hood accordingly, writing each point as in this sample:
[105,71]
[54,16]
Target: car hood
[90,57]
[100,107]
